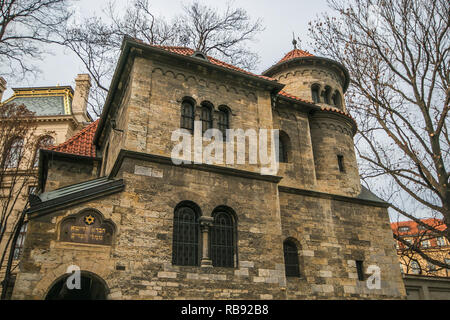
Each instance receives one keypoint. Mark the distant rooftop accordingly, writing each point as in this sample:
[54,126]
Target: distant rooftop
[44,101]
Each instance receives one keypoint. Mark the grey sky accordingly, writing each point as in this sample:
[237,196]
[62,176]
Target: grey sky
[280,19]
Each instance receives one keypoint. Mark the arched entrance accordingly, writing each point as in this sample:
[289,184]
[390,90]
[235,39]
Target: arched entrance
[92,288]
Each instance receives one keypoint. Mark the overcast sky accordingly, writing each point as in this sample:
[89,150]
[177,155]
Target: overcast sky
[280,19]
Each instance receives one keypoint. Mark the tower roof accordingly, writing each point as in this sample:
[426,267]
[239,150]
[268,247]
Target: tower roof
[296,53]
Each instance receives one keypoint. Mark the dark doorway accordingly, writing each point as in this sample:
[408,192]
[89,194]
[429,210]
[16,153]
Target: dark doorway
[92,288]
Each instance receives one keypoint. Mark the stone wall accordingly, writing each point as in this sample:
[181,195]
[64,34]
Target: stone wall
[332,136]
[66,172]
[331,235]
[299,79]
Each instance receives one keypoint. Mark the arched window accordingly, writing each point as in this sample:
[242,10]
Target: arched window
[223,240]
[206,116]
[291,262]
[223,120]
[187,115]
[415,267]
[185,237]
[337,101]
[283,147]
[14,154]
[326,94]
[43,143]
[315,93]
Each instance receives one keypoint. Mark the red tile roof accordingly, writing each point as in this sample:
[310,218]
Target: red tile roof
[414,226]
[331,109]
[189,52]
[296,53]
[290,96]
[80,144]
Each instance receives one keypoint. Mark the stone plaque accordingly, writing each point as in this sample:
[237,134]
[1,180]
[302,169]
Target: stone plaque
[87,226]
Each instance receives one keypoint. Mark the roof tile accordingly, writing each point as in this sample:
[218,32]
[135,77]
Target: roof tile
[80,144]
[189,52]
[296,53]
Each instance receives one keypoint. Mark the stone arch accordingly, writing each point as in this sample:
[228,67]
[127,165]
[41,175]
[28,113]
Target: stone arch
[93,287]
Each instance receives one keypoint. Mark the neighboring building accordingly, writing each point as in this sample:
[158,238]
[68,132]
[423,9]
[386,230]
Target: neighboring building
[423,280]
[434,245]
[139,226]
[60,112]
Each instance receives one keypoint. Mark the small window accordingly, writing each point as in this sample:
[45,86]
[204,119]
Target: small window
[440,241]
[341,163]
[360,270]
[206,116]
[326,95]
[44,143]
[415,267]
[223,120]
[337,100]
[291,259]
[15,153]
[315,93]
[187,115]
[18,250]
[283,147]
[425,243]
[32,190]
[403,229]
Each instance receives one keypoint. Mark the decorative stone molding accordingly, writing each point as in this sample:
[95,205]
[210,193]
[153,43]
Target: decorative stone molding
[197,81]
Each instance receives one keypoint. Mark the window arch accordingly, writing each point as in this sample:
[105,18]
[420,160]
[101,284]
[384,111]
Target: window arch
[315,89]
[185,248]
[283,147]
[14,153]
[326,94]
[337,100]
[206,116]
[43,143]
[291,262]
[187,115]
[224,120]
[223,239]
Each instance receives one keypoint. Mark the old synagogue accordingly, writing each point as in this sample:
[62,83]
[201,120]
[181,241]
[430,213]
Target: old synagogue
[112,203]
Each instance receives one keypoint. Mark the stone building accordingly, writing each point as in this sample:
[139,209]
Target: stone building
[60,112]
[115,205]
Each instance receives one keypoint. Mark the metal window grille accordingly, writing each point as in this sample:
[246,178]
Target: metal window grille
[223,122]
[291,259]
[206,118]
[187,116]
[222,240]
[185,237]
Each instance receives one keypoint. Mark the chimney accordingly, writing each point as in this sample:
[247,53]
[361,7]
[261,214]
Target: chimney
[80,97]
[2,87]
